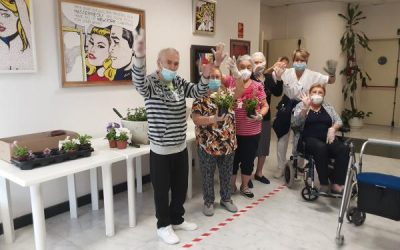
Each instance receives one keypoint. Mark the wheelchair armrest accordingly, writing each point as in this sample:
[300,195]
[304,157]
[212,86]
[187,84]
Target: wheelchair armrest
[344,129]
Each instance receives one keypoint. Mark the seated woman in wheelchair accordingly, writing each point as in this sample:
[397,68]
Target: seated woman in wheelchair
[318,123]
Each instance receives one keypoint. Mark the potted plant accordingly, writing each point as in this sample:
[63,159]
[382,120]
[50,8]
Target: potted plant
[123,137]
[353,118]
[70,145]
[110,136]
[136,122]
[354,74]
[84,142]
[224,100]
[20,153]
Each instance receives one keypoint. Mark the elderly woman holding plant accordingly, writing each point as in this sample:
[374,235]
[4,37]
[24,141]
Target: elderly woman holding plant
[215,133]
[251,107]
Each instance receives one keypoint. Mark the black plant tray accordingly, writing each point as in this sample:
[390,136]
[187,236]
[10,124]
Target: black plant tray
[54,157]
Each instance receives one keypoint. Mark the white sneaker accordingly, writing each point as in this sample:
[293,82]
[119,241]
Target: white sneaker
[168,235]
[186,226]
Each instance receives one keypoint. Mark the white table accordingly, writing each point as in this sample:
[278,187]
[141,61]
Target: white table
[133,154]
[34,178]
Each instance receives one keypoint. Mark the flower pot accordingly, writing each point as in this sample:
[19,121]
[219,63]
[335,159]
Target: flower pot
[251,113]
[122,144]
[356,123]
[138,130]
[222,111]
[112,143]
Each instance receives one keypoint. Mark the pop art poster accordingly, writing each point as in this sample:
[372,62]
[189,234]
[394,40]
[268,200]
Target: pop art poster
[99,42]
[17,46]
[204,17]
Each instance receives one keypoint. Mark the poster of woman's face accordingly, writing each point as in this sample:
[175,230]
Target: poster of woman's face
[16,37]
[99,42]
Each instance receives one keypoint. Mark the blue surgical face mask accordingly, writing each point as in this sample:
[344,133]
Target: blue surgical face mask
[214,84]
[167,74]
[299,66]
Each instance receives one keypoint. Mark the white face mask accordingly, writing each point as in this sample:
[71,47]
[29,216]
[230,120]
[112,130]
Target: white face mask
[317,99]
[245,74]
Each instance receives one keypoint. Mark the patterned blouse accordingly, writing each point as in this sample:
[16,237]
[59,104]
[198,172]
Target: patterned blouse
[218,138]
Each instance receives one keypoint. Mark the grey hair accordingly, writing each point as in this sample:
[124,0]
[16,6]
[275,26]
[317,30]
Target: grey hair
[165,51]
[258,54]
[245,58]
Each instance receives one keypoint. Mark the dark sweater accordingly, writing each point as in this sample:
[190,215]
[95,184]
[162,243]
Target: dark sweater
[270,88]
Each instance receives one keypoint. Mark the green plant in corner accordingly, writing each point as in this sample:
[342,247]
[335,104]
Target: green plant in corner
[354,74]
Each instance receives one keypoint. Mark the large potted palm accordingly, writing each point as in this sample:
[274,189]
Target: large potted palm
[351,39]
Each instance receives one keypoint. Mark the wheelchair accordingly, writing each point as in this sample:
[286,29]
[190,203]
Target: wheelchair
[293,171]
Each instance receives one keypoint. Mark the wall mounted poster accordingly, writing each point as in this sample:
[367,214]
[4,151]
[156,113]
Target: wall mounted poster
[98,43]
[17,43]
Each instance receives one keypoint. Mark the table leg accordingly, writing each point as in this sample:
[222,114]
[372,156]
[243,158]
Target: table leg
[139,183]
[6,210]
[73,206]
[189,193]
[108,199]
[39,226]
[131,192]
[94,189]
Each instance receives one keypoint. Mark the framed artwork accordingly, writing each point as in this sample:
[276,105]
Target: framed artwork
[17,41]
[204,17]
[98,42]
[239,47]
[199,55]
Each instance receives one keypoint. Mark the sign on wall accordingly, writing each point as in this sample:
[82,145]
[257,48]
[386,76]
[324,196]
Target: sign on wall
[99,42]
[17,43]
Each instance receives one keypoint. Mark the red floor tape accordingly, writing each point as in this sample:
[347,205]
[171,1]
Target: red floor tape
[225,223]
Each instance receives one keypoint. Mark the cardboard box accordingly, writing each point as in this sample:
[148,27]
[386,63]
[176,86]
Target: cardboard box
[35,142]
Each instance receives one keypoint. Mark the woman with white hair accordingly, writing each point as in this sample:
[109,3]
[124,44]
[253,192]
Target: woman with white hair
[248,129]
[271,87]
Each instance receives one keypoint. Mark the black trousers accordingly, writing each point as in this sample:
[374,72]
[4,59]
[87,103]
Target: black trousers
[322,152]
[169,172]
[245,154]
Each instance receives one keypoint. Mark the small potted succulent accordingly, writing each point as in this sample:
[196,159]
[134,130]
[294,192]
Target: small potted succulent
[136,122]
[84,142]
[20,153]
[110,136]
[123,137]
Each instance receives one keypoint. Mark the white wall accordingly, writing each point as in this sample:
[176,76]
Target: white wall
[321,29]
[36,102]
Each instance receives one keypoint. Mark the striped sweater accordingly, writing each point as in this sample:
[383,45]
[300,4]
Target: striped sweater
[166,106]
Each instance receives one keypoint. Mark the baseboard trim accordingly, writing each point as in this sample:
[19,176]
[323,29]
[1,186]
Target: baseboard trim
[26,220]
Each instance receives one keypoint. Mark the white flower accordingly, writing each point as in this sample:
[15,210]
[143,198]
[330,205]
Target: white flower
[61,142]
[76,141]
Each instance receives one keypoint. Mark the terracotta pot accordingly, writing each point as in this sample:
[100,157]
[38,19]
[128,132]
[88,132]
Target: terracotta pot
[112,143]
[122,144]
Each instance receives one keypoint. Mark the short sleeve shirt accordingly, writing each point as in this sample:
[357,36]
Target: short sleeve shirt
[218,138]
[293,87]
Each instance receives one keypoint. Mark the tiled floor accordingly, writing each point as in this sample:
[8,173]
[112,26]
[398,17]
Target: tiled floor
[283,221]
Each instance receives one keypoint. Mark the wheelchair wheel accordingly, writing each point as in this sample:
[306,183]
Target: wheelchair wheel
[289,174]
[309,193]
[355,216]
